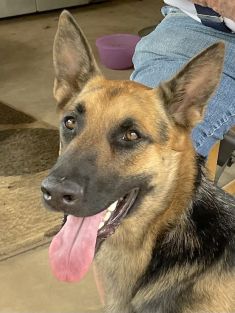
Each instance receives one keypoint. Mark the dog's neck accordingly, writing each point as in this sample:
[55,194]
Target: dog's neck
[182,242]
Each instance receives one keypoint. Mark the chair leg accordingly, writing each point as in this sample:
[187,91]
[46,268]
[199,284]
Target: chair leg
[212,160]
[212,167]
[230,187]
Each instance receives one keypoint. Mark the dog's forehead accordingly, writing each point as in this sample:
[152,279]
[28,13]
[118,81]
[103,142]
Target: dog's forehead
[111,103]
[114,88]
[108,105]
[125,96]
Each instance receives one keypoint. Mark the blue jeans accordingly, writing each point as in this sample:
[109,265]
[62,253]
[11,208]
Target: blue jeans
[162,53]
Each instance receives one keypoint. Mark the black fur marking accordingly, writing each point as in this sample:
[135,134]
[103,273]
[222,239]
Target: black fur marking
[98,185]
[116,135]
[200,163]
[114,92]
[66,134]
[170,301]
[128,123]
[163,134]
[80,108]
[206,235]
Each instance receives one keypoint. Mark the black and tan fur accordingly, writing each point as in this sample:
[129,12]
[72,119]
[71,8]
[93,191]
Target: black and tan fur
[174,251]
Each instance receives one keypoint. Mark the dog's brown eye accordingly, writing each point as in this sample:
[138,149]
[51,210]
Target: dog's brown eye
[70,122]
[131,135]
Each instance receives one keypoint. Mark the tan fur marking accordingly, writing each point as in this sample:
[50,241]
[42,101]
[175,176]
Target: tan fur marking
[166,159]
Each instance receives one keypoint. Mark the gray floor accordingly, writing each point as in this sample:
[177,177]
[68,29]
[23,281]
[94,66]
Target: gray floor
[26,81]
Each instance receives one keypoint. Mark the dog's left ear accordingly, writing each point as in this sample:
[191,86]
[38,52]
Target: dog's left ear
[74,62]
[186,95]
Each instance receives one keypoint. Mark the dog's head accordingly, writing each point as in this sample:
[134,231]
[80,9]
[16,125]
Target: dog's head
[121,141]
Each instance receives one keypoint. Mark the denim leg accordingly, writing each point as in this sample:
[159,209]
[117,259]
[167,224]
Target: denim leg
[162,53]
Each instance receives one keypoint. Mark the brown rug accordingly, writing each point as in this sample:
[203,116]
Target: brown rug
[28,148]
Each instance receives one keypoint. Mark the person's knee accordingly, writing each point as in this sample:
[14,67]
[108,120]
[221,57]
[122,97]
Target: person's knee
[143,52]
[206,134]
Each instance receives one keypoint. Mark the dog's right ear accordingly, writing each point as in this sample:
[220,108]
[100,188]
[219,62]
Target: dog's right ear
[74,62]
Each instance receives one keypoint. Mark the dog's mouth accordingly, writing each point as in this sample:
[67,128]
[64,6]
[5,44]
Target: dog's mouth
[72,250]
[114,215]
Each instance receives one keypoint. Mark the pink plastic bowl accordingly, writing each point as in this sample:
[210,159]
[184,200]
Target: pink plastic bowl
[116,51]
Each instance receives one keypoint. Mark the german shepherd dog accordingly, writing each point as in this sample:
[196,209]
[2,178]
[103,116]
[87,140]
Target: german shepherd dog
[135,192]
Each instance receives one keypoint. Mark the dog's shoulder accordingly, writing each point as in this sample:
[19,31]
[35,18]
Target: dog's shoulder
[195,251]
[203,234]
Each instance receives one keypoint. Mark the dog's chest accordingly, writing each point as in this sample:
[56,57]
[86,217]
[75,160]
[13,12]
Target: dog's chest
[119,271]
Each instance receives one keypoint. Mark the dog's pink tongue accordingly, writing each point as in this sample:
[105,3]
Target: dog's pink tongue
[72,250]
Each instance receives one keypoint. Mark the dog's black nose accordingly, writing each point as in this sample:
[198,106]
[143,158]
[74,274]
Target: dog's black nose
[61,193]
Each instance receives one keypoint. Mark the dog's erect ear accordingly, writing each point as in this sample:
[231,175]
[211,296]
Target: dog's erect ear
[74,62]
[186,95]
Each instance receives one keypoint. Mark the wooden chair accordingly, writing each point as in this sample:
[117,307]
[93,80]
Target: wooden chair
[223,155]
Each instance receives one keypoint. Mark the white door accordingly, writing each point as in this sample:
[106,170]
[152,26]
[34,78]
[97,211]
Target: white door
[44,5]
[16,7]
